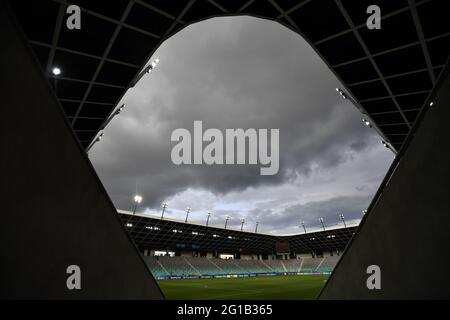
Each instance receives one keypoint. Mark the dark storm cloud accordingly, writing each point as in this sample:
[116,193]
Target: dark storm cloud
[229,73]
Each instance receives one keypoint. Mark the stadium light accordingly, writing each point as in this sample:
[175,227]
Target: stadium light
[147,69]
[343,220]
[226,221]
[207,219]
[242,223]
[164,206]
[115,113]
[431,103]
[56,71]
[387,146]
[137,200]
[321,221]
[364,211]
[107,121]
[187,214]
[303,225]
[256,227]
[153,65]
[342,93]
[366,122]
[119,110]
[100,137]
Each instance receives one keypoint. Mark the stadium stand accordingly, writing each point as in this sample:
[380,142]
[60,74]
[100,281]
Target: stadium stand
[188,266]
[328,264]
[274,265]
[228,266]
[177,266]
[251,266]
[310,264]
[204,266]
[292,265]
[155,266]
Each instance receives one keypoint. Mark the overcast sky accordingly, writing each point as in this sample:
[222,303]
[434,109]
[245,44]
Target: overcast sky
[243,72]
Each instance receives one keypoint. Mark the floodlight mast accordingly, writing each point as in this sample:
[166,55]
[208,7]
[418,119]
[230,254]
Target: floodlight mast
[137,200]
[341,216]
[303,225]
[321,221]
[188,209]
[256,227]
[226,221]
[242,224]
[164,206]
[207,219]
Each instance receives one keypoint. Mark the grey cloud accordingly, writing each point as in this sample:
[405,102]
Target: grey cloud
[229,73]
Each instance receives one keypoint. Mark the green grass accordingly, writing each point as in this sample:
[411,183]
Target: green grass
[264,288]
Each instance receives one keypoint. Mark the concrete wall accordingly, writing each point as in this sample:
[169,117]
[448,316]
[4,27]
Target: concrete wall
[407,232]
[54,209]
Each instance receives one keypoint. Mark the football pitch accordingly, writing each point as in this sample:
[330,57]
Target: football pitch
[300,287]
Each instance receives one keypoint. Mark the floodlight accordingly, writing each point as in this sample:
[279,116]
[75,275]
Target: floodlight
[56,71]
[137,198]
[154,63]
[100,137]
[120,108]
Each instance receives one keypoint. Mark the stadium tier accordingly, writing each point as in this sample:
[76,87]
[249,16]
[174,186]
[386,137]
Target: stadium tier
[274,266]
[328,264]
[293,265]
[155,266]
[166,267]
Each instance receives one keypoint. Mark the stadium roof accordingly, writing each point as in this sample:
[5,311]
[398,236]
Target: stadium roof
[310,230]
[150,232]
[389,72]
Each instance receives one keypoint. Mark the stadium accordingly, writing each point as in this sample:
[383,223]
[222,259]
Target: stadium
[176,250]
[58,218]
